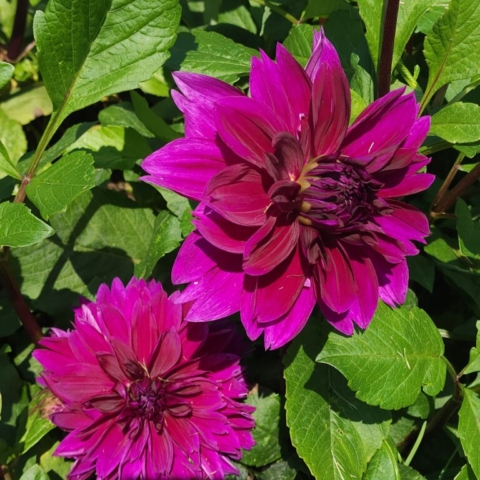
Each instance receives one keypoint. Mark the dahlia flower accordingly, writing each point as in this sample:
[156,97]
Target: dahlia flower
[143,393]
[296,207]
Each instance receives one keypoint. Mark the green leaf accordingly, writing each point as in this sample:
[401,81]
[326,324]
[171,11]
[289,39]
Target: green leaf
[234,14]
[54,189]
[122,115]
[428,19]
[408,473]
[211,54]
[28,104]
[89,49]
[422,271]
[59,466]
[6,165]
[323,8]
[474,360]
[457,123]
[384,464]
[468,231]
[358,106]
[180,207]
[12,137]
[166,237]
[152,121]
[410,359]
[267,447]
[34,473]
[281,470]
[410,11]
[19,227]
[451,48]
[38,424]
[333,432]
[299,42]
[6,72]
[466,473]
[469,428]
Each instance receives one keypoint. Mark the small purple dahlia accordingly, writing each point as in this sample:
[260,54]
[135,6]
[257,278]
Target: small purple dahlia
[144,394]
[296,207]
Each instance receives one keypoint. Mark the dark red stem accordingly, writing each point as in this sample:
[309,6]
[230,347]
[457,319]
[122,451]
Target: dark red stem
[18,301]
[386,52]
[16,41]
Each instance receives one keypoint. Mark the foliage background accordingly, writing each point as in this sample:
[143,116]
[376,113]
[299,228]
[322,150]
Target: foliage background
[83,101]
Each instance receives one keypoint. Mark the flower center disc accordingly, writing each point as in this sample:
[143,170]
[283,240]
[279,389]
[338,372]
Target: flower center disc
[147,399]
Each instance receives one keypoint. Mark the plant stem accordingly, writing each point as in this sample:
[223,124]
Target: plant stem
[16,41]
[436,147]
[18,301]
[388,42]
[417,443]
[279,10]
[449,198]
[446,184]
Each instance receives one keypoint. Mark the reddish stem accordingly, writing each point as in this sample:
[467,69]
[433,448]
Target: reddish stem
[16,41]
[388,42]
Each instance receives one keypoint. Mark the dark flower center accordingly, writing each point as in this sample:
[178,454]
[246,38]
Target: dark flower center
[338,197]
[146,399]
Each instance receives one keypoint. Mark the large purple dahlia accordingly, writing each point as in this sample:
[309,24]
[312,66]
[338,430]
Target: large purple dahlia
[144,394]
[296,207]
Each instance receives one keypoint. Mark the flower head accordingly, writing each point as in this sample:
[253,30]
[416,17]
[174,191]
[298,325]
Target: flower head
[143,393]
[296,206]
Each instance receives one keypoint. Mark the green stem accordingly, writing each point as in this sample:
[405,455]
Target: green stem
[446,184]
[436,147]
[464,92]
[388,42]
[279,10]
[417,443]
[407,76]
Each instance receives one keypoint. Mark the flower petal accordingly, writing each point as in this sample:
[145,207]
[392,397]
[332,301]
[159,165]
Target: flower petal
[408,186]
[185,165]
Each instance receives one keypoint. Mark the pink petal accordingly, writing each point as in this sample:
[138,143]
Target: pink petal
[330,108]
[248,127]
[408,186]
[393,281]
[383,125]
[185,165]
[238,194]
[220,232]
[337,287]
[166,354]
[283,86]
[288,159]
[292,323]
[343,322]
[270,245]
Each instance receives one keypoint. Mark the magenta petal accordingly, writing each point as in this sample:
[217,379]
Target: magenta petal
[248,127]
[184,165]
[292,323]
[393,281]
[336,280]
[289,155]
[343,322]
[383,125]
[238,194]
[220,232]
[330,107]
[408,186]
[270,245]
[269,291]
[166,354]
[289,100]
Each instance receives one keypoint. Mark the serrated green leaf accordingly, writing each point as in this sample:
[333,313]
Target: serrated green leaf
[6,72]
[457,123]
[281,470]
[358,106]
[234,14]
[322,8]
[166,237]
[409,12]
[299,42]
[451,47]
[408,473]
[387,364]
[384,464]
[38,424]
[466,473]
[112,46]
[267,446]
[469,428]
[27,104]
[333,432]
[54,189]
[57,465]
[211,54]
[428,19]
[34,473]
[19,227]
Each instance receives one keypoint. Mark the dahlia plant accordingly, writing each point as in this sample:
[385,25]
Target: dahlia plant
[239,239]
